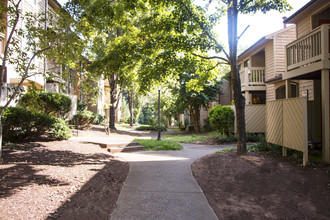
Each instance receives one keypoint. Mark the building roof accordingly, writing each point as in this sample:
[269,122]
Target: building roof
[262,41]
[55,3]
[309,6]
[252,46]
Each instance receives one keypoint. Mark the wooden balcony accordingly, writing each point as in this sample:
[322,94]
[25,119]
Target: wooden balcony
[253,79]
[309,53]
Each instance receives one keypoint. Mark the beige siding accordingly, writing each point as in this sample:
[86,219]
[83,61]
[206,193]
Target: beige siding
[269,62]
[270,92]
[280,41]
[258,60]
[307,85]
[225,97]
[204,114]
[304,26]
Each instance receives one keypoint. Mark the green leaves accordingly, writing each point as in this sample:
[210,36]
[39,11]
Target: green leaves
[248,6]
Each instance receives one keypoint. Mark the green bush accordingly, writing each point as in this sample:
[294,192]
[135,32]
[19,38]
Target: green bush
[60,129]
[99,119]
[83,118]
[150,128]
[54,104]
[224,138]
[252,137]
[222,119]
[81,105]
[19,124]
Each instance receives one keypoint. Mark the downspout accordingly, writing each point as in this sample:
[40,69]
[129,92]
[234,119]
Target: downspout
[46,11]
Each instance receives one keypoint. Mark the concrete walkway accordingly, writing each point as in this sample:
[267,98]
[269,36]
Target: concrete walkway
[160,185]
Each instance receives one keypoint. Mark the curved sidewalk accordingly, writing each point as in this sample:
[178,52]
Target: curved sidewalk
[160,185]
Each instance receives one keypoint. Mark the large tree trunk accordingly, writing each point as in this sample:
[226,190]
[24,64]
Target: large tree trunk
[113,99]
[235,78]
[195,115]
[130,106]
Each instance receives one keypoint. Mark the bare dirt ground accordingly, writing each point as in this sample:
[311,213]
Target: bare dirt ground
[261,186]
[59,180]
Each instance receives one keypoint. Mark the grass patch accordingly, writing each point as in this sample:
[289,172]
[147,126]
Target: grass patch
[155,145]
[252,148]
[189,137]
[227,150]
[149,128]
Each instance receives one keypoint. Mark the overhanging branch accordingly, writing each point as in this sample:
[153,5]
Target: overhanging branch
[226,61]
[208,34]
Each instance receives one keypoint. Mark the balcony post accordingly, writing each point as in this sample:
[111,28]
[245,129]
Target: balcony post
[325,115]
[247,82]
[247,97]
[288,89]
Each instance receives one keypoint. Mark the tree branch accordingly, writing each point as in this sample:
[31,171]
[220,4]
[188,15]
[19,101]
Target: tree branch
[213,57]
[24,77]
[219,63]
[204,30]
[11,34]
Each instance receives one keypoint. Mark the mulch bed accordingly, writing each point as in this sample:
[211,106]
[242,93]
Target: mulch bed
[261,186]
[59,180]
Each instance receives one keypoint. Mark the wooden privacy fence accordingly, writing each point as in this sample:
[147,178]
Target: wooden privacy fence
[286,125]
[254,118]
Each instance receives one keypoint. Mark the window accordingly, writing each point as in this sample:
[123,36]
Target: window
[246,63]
[281,93]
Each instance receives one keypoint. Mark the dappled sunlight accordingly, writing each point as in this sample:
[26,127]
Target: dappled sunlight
[138,157]
[253,159]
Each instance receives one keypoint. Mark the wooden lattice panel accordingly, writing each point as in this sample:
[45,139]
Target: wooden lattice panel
[294,119]
[274,122]
[255,118]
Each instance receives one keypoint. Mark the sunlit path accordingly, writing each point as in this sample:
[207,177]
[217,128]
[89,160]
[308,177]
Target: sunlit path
[160,185]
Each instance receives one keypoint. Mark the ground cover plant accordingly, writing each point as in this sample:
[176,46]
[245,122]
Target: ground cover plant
[155,145]
[150,128]
[189,137]
[213,137]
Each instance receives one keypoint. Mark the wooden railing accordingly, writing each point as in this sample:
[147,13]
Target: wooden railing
[311,48]
[254,76]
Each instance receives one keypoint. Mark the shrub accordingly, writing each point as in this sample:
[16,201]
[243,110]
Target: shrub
[150,128]
[222,118]
[60,129]
[54,104]
[19,124]
[83,118]
[225,138]
[81,105]
[99,119]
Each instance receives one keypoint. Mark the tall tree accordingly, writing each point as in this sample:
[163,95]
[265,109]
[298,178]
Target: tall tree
[197,87]
[232,8]
[109,27]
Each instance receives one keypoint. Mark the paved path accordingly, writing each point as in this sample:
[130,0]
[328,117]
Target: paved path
[160,185]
